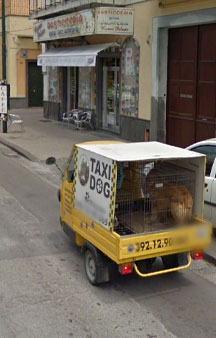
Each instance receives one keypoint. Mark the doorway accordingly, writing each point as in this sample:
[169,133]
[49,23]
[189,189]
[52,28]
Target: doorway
[191,86]
[111,94]
[35,85]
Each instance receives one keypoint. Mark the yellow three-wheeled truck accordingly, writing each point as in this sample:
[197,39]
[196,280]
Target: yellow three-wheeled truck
[129,203]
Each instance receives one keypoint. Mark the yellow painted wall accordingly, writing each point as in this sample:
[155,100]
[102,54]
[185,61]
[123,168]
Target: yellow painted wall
[144,14]
[19,37]
[21,66]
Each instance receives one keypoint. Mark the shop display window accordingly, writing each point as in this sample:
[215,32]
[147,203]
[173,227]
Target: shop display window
[130,78]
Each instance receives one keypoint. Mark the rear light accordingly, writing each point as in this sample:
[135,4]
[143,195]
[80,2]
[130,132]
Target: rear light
[126,268]
[197,255]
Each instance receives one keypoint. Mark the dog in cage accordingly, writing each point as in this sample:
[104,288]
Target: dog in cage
[168,199]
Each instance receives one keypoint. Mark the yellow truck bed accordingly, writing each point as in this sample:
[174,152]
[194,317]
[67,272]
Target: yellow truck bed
[127,248]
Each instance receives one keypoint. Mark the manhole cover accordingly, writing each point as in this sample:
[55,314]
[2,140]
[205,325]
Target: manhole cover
[45,121]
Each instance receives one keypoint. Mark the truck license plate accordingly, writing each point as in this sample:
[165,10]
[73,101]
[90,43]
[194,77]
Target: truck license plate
[160,243]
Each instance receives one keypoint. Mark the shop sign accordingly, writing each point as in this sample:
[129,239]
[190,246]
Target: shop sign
[3,99]
[65,26]
[117,21]
[93,186]
[102,20]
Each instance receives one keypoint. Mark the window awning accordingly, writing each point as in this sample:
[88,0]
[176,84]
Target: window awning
[79,56]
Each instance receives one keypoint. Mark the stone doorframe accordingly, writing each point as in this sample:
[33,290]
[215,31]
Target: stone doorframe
[160,63]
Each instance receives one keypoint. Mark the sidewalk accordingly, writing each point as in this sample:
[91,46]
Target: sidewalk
[42,138]
[210,253]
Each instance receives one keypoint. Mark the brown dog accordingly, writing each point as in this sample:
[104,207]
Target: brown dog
[168,198]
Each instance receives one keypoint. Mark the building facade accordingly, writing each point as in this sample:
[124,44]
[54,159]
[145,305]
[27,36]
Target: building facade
[23,75]
[151,71]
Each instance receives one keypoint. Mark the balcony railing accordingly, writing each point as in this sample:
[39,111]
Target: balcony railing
[15,7]
[37,5]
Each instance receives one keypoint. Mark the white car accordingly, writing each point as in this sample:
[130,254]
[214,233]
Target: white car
[208,148]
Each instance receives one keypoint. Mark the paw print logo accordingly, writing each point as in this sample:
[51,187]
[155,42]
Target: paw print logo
[99,186]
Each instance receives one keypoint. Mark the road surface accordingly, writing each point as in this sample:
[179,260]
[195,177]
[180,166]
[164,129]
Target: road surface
[44,291]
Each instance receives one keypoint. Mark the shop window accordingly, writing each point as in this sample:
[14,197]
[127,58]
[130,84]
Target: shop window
[53,79]
[130,78]
[85,87]
[110,93]
[72,88]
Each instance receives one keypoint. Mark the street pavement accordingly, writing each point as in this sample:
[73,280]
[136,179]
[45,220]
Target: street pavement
[44,291]
[42,138]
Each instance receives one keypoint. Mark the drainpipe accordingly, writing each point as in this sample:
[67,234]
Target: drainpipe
[4,70]
[4,65]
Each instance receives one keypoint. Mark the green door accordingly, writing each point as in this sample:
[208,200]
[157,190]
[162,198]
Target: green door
[35,85]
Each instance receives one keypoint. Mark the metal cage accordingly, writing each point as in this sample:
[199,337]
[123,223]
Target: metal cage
[153,196]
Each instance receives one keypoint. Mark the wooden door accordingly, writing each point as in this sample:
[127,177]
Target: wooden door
[206,86]
[191,88]
[35,85]
[181,91]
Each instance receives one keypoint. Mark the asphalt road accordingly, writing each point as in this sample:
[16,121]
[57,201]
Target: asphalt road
[44,291]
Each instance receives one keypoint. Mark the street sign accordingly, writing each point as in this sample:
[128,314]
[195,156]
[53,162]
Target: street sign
[3,99]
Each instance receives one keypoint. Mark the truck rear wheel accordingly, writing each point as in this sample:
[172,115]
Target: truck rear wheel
[96,264]
[91,267]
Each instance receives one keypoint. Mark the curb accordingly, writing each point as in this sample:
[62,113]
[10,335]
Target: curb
[208,258]
[19,150]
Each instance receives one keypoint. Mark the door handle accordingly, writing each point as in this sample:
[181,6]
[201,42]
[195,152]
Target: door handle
[206,184]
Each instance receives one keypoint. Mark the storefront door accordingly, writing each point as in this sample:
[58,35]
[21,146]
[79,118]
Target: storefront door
[191,88]
[35,85]
[111,73]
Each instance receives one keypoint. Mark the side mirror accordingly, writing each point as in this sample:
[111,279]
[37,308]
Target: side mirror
[50,160]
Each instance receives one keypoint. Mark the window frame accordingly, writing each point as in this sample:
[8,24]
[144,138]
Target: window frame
[206,154]
[70,159]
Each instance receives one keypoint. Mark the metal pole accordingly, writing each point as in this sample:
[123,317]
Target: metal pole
[4,65]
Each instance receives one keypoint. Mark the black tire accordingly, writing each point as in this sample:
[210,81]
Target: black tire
[59,195]
[170,261]
[145,265]
[91,267]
